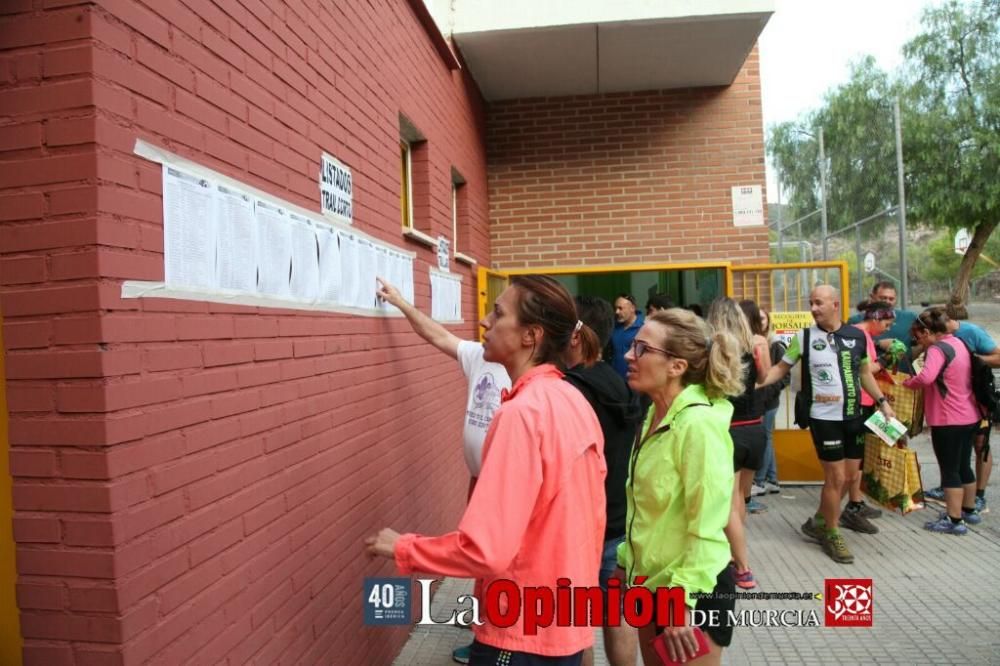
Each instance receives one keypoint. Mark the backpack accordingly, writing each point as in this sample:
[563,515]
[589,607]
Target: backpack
[804,398]
[983,385]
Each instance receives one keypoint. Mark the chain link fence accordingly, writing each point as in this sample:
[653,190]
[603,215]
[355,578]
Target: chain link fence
[842,200]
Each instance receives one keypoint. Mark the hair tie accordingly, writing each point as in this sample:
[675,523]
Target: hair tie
[579,325]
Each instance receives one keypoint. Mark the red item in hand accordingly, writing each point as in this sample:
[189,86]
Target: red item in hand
[660,645]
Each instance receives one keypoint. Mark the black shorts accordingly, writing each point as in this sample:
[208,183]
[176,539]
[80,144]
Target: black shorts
[749,444]
[837,440]
[487,654]
[953,450]
[722,600]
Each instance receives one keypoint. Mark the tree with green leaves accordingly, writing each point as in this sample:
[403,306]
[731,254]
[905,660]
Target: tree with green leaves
[860,163]
[949,89]
[952,127]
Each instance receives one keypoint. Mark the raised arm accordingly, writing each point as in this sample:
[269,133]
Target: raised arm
[992,359]
[776,373]
[869,384]
[761,355]
[986,348]
[424,326]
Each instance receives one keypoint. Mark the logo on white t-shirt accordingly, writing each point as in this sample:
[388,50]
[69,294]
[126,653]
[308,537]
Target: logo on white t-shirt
[485,400]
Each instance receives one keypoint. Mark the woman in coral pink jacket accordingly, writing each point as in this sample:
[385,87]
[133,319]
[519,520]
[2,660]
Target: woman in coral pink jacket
[537,513]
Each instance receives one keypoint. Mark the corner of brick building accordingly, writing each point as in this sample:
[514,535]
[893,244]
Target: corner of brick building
[191,480]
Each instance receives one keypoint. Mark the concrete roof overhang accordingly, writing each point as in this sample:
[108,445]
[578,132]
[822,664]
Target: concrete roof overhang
[539,48]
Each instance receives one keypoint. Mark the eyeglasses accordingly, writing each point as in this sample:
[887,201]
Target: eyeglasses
[639,348]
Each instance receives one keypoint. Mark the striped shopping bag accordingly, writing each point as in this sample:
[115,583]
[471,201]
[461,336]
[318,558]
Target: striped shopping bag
[891,476]
[906,402]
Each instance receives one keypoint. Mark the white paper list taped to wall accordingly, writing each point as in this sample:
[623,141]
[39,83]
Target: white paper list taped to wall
[189,229]
[228,242]
[446,297]
[304,283]
[237,256]
[275,233]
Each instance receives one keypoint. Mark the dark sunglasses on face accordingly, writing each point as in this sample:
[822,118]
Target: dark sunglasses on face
[639,348]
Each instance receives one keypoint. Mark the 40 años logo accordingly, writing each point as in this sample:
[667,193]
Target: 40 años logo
[848,602]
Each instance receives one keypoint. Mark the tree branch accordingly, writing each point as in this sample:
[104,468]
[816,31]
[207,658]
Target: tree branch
[960,294]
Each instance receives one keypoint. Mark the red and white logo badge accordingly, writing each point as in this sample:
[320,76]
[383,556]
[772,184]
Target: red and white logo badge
[848,602]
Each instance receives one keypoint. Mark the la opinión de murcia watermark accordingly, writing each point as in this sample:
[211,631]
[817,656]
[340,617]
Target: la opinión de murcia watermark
[503,603]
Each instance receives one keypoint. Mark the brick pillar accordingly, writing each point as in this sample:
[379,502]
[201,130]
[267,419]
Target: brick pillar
[51,235]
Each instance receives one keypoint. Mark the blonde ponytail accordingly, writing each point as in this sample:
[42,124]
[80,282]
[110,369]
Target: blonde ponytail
[724,371]
[713,357]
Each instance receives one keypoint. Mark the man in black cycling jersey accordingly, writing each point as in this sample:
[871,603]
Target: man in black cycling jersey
[838,369]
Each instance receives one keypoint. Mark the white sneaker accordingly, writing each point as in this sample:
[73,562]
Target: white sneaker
[756,490]
[772,487]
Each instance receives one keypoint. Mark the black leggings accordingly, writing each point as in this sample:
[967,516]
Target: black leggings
[953,448]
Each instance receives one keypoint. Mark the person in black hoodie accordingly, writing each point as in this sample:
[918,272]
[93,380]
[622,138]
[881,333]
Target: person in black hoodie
[619,413]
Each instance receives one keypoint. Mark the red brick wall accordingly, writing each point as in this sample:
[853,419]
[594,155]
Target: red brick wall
[193,482]
[630,177]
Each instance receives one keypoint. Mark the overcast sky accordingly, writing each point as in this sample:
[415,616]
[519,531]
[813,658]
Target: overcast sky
[807,45]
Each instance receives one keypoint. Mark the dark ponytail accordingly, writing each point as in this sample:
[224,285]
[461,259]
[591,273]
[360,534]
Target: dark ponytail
[543,302]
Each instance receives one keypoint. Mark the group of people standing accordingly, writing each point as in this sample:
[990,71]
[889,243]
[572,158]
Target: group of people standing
[573,479]
[840,361]
[937,347]
[958,423]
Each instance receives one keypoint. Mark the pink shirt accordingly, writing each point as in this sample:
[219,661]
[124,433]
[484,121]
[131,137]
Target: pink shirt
[959,408]
[867,400]
[537,513]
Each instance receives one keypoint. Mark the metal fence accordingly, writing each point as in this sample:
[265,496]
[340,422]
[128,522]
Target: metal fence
[852,207]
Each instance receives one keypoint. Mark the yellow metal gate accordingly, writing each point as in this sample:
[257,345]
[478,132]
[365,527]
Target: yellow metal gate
[783,290]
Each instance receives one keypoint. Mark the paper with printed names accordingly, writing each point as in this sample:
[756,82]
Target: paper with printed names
[237,249]
[350,283]
[223,235]
[329,264]
[189,229]
[275,233]
[367,259]
[304,283]
[446,298]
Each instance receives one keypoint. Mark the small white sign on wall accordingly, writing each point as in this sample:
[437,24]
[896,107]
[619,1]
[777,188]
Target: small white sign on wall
[444,253]
[748,206]
[336,189]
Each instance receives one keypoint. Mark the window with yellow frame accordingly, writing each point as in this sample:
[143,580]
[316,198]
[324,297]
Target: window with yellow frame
[413,157]
[406,185]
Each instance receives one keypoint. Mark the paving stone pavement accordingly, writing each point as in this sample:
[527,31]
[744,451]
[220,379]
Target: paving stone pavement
[936,597]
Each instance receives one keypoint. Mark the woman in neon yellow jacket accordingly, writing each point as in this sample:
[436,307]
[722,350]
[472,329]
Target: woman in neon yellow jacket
[681,475]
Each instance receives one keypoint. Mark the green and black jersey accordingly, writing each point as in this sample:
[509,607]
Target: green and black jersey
[835,360]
